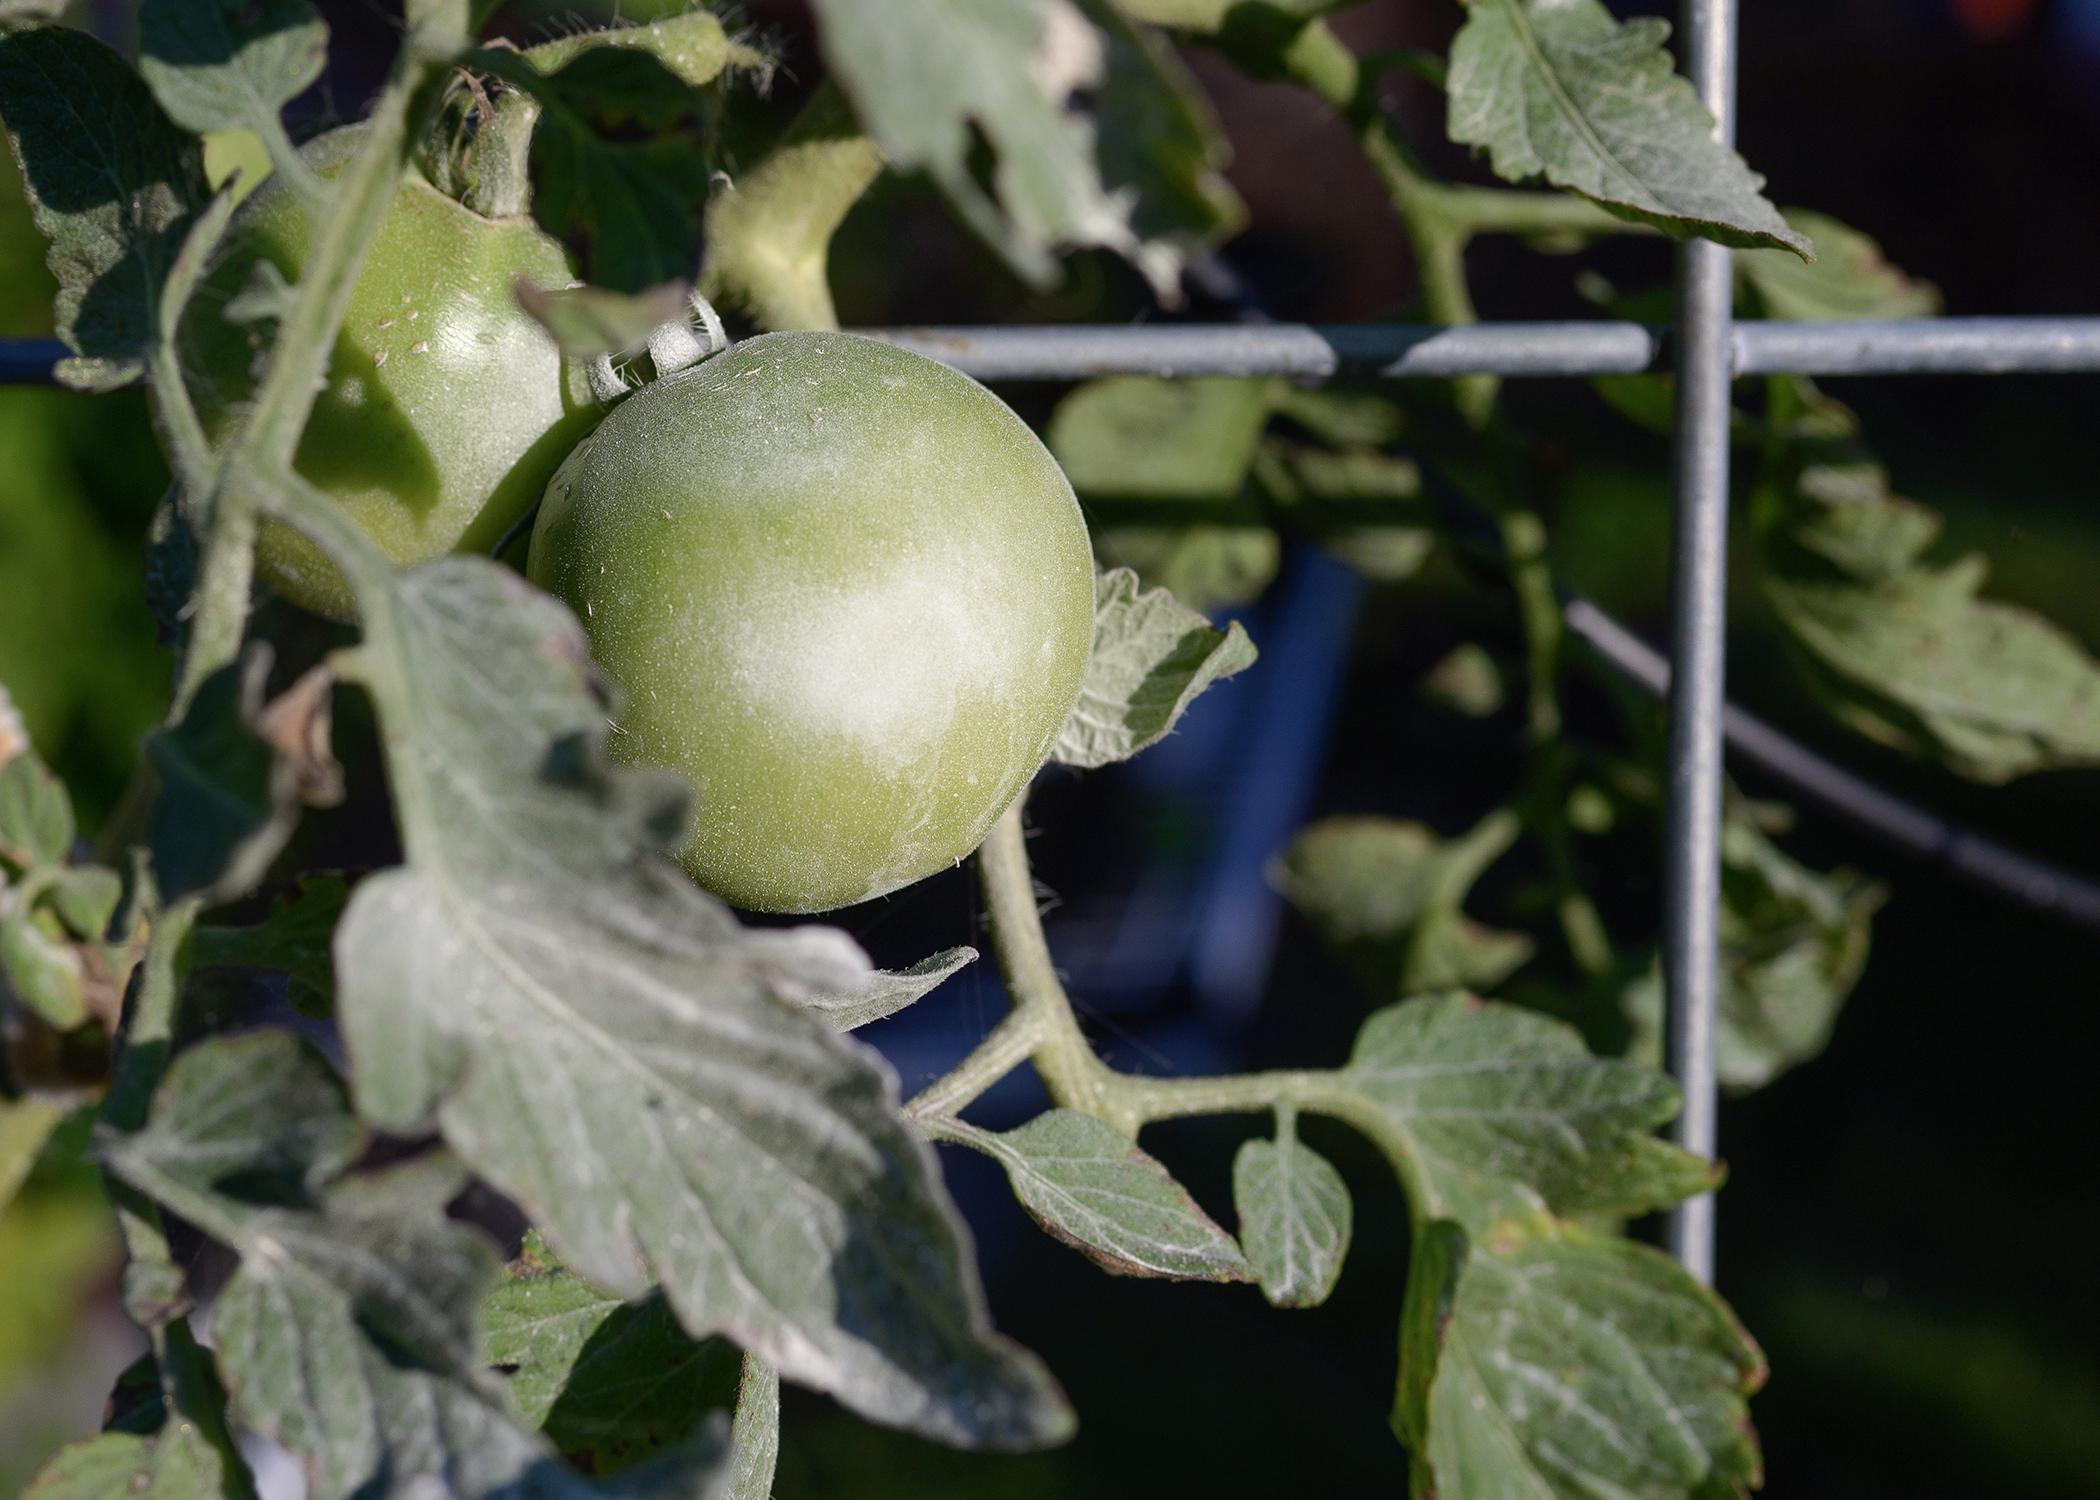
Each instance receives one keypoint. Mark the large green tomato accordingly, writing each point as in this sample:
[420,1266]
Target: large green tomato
[446,407]
[844,590]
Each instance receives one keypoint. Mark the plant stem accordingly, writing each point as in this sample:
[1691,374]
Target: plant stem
[297,369]
[1070,1071]
[1012,1042]
[148,1033]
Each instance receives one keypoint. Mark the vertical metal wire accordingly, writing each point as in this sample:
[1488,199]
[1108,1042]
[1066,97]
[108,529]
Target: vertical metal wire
[1698,635]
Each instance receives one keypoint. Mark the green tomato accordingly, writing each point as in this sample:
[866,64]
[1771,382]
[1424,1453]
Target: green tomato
[446,407]
[844,590]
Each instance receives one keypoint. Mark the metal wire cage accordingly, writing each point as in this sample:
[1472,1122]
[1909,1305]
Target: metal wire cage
[1707,349]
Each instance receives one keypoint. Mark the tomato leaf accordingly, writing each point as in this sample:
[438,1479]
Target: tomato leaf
[884,993]
[1162,466]
[1539,1359]
[1162,150]
[694,47]
[1559,89]
[230,64]
[42,970]
[151,1457]
[928,77]
[1088,1185]
[1390,897]
[1849,279]
[1793,944]
[621,155]
[234,773]
[1364,506]
[36,815]
[589,320]
[349,1331]
[1209,17]
[1151,657]
[1489,1110]
[769,234]
[293,939]
[609,1382]
[1295,1217]
[603,1042]
[112,184]
[1909,654]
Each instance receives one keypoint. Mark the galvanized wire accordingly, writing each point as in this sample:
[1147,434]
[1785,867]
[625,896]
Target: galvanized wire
[1698,651]
[1400,351]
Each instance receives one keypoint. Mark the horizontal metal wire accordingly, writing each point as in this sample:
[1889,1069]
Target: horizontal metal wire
[1938,346]
[1393,351]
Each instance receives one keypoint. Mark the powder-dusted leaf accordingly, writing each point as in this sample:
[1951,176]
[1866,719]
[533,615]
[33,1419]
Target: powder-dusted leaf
[693,46]
[621,155]
[1208,17]
[36,815]
[1390,897]
[1134,439]
[229,64]
[349,1331]
[1161,150]
[1540,1360]
[1162,466]
[603,1042]
[25,1125]
[769,234]
[1559,89]
[932,78]
[1488,1110]
[589,320]
[234,772]
[1088,1185]
[886,992]
[1909,654]
[1364,506]
[41,969]
[1152,656]
[1849,279]
[1467,681]
[609,1382]
[754,1439]
[1793,944]
[112,184]
[293,940]
[1295,1217]
[85,897]
[170,1465]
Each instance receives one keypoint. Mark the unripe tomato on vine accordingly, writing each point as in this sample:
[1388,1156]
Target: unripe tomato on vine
[446,407]
[844,590]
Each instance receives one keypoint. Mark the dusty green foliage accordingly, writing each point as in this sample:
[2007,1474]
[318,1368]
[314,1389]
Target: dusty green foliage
[1909,653]
[1192,483]
[1390,896]
[1850,277]
[1559,89]
[1295,1217]
[1542,1359]
[1152,655]
[113,185]
[769,232]
[1086,1184]
[923,73]
[58,957]
[724,1190]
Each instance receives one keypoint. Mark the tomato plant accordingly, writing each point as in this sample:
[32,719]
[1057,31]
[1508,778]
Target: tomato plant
[446,406]
[845,591]
[584,1165]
